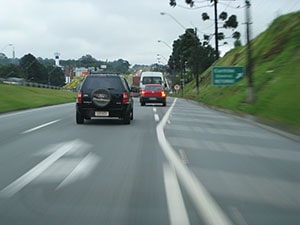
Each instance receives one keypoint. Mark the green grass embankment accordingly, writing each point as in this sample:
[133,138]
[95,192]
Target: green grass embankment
[20,97]
[276,74]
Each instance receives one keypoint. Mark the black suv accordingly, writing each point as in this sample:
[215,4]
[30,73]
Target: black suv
[104,95]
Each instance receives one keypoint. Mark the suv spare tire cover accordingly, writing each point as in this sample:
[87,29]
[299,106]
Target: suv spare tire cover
[101,97]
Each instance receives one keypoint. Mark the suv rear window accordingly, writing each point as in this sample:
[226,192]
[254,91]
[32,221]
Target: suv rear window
[104,82]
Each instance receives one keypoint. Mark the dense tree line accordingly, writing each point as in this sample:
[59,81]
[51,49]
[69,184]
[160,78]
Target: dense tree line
[88,61]
[44,71]
[32,70]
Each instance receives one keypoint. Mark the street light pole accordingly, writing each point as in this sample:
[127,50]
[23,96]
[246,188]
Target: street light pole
[165,43]
[159,55]
[194,35]
[173,73]
[180,24]
[13,53]
[168,14]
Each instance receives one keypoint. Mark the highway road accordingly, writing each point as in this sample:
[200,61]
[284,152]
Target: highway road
[182,164]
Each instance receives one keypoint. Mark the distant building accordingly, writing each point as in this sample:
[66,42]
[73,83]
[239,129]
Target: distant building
[69,73]
[81,71]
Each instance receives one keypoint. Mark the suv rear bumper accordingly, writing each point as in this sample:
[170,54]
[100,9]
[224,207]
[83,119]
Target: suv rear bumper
[88,112]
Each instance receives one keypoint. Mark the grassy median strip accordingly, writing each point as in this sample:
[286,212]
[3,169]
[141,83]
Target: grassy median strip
[15,97]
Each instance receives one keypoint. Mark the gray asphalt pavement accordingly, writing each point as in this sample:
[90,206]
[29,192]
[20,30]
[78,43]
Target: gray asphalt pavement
[253,174]
[180,164]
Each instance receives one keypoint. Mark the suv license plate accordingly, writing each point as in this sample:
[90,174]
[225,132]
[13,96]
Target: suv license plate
[101,113]
[152,99]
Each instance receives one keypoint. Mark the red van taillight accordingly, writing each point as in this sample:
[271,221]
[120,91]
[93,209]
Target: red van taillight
[79,97]
[125,97]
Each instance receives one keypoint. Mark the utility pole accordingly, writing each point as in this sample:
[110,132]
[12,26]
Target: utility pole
[216,29]
[13,53]
[251,96]
[196,62]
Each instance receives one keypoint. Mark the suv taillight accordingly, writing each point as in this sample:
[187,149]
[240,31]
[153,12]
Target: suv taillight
[125,97]
[79,97]
[163,94]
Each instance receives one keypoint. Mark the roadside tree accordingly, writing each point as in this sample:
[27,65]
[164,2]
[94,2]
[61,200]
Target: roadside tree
[189,54]
[33,70]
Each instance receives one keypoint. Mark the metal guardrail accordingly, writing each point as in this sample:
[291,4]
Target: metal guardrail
[28,84]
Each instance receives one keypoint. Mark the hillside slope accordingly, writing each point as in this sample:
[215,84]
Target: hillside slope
[276,73]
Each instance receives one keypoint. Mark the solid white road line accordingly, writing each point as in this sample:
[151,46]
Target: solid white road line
[205,205]
[183,157]
[40,126]
[176,207]
[24,180]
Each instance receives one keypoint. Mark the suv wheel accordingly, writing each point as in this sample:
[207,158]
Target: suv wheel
[101,97]
[126,118]
[131,115]
[79,118]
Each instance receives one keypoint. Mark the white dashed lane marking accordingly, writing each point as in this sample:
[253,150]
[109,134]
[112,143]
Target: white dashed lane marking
[40,126]
[156,116]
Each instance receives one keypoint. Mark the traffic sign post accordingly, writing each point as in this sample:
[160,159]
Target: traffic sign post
[227,75]
[176,87]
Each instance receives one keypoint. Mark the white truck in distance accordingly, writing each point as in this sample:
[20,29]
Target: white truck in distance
[151,78]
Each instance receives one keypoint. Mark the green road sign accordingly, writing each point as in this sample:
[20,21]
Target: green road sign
[227,75]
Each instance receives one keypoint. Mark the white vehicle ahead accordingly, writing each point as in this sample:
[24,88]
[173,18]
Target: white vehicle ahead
[151,78]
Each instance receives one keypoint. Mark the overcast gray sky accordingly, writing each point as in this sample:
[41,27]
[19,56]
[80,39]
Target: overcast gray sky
[114,29]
